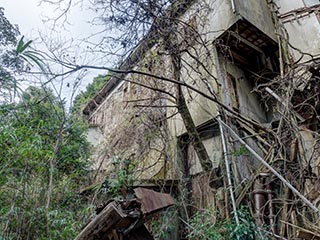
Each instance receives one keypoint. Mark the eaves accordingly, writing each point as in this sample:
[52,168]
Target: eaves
[151,38]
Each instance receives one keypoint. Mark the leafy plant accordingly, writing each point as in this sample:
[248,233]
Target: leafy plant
[247,229]
[29,56]
[10,65]
[162,224]
[240,152]
[204,226]
[41,149]
[123,177]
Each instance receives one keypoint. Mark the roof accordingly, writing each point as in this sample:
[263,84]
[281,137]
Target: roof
[150,39]
[143,47]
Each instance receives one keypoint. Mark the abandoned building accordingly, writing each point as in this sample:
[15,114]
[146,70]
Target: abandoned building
[224,108]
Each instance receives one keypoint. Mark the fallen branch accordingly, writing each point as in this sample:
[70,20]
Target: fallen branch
[257,156]
[302,232]
[272,93]
[228,170]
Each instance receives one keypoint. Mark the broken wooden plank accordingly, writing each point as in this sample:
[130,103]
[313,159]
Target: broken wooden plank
[107,220]
[125,219]
[271,169]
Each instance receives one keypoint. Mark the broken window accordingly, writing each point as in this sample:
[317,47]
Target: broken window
[234,98]
[251,60]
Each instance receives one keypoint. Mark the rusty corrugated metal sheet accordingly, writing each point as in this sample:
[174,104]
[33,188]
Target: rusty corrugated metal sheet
[152,201]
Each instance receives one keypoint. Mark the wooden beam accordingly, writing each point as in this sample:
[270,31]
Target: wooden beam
[104,223]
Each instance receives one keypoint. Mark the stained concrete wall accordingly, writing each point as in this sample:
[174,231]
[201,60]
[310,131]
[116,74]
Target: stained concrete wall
[222,14]
[129,132]
[202,109]
[114,113]
[213,146]
[258,13]
[216,17]
[288,5]
[249,104]
[219,18]
[303,33]
[211,24]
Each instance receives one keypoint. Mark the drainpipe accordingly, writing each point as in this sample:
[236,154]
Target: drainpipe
[271,169]
[225,154]
[272,222]
[259,202]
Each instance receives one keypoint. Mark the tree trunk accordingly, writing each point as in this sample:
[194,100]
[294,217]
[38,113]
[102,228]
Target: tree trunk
[187,118]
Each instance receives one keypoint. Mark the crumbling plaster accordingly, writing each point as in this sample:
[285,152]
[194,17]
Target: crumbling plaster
[126,128]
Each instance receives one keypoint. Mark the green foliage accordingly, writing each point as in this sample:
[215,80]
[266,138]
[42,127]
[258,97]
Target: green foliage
[8,32]
[29,56]
[123,177]
[91,90]
[8,59]
[247,229]
[163,224]
[204,226]
[38,140]
[15,58]
[240,152]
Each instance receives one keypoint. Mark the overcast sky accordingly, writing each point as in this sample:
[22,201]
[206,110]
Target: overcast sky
[31,18]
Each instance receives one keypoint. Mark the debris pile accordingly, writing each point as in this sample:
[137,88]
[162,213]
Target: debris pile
[117,220]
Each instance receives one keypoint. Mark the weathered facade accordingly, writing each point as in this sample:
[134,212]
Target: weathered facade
[251,64]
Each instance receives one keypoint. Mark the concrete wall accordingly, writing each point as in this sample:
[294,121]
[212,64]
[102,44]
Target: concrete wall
[258,13]
[213,146]
[288,5]
[213,21]
[249,104]
[304,33]
[219,18]
[129,131]
[201,108]
[95,135]
[211,24]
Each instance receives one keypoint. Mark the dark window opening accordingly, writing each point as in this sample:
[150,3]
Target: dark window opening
[247,46]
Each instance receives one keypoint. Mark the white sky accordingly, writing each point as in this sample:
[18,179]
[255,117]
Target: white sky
[30,16]
[25,13]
